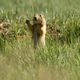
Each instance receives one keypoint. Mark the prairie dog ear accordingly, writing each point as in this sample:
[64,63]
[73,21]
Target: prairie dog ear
[41,15]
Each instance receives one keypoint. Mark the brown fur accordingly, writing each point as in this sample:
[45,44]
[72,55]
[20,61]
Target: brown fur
[38,29]
[4,28]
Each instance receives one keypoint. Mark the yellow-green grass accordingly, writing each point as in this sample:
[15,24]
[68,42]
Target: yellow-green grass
[60,60]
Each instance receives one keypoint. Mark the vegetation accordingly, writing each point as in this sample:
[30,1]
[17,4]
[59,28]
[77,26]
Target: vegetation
[60,60]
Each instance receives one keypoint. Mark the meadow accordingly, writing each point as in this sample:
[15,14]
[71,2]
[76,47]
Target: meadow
[60,60]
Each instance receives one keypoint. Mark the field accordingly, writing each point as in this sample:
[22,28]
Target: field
[60,60]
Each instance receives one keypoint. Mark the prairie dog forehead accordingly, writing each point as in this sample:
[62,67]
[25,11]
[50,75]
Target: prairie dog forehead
[38,16]
[36,19]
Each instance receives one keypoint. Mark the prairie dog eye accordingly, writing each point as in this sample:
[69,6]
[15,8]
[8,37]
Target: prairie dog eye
[27,21]
[35,18]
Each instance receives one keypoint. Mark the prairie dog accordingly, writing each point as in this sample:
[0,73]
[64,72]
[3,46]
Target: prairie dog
[38,29]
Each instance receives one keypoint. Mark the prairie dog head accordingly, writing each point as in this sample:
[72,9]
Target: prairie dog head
[39,19]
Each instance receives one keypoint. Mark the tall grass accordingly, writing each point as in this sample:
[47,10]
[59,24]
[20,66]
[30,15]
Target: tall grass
[60,60]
